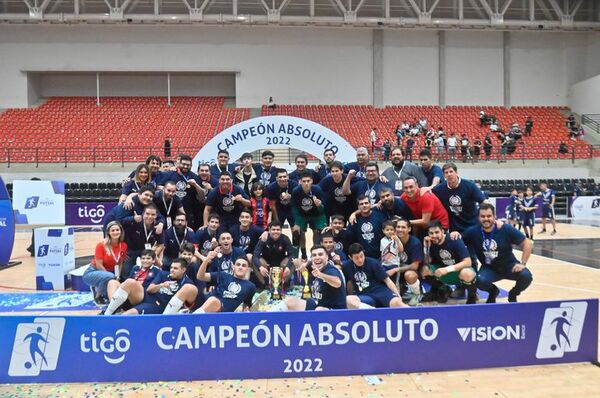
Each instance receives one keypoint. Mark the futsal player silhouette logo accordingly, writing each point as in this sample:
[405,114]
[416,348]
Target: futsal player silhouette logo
[35,340]
[560,331]
[32,202]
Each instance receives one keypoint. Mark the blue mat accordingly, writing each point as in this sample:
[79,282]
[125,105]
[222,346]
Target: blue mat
[47,301]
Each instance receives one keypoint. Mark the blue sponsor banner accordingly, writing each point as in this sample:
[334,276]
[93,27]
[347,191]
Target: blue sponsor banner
[7,225]
[39,202]
[63,301]
[295,344]
[87,213]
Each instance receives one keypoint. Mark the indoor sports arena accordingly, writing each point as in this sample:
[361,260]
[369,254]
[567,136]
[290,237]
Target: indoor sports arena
[314,198]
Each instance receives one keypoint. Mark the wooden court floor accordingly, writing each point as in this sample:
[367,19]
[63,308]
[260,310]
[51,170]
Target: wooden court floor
[553,280]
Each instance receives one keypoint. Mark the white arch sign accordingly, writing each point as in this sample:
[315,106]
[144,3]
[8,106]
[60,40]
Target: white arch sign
[276,131]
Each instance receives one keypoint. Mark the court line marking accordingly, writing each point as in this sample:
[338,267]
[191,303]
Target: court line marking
[558,260]
[566,287]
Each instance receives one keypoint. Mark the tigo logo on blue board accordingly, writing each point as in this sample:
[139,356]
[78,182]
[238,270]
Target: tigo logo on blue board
[36,346]
[32,202]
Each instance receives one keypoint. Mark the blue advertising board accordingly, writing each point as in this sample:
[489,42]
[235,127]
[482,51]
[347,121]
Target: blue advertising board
[7,225]
[295,344]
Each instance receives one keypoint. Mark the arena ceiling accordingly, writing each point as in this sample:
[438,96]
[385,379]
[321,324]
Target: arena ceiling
[554,15]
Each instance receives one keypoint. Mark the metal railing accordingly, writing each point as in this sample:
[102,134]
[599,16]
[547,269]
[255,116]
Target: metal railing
[592,121]
[137,154]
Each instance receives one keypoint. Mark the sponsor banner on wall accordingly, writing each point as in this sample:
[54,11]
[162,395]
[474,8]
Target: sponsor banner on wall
[584,206]
[87,213]
[502,205]
[295,344]
[39,202]
[276,131]
[54,257]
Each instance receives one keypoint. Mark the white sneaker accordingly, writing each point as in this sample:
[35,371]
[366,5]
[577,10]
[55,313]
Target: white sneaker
[262,299]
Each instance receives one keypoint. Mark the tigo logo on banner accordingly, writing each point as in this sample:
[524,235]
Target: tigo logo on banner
[107,345]
[36,346]
[561,330]
[32,202]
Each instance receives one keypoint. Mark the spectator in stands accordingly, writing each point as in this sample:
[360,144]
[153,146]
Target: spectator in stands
[423,123]
[387,149]
[465,148]
[378,146]
[482,118]
[373,138]
[476,149]
[271,104]
[399,133]
[167,148]
[429,138]
[494,126]
[562,148]
[571,122]
[410,143]
[439,147]
[402,169]
[487,146]
[108,260]
[452,144]
[528,126]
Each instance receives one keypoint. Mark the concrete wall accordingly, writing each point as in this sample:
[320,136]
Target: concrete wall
[298,65]
[584,97]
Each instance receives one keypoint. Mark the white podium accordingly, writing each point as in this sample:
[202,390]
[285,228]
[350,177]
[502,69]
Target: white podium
[54,257]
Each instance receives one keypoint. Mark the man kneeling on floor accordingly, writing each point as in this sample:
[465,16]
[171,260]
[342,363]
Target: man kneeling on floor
[449,264]
[167,293]
[327,286]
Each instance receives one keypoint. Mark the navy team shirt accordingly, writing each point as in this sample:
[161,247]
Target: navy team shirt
[367,231]
[494,249]
[246,240]
[335,201]
[326,295]
[231,290]
[223,204]
[450,252]
[370,190]
[173,241]
[303,201]
[547,197]
[274,192]
[165,294]
[413,251]
[137,237]
[398,209]
[461,203]
[366,279]
[224,263]
[434,171]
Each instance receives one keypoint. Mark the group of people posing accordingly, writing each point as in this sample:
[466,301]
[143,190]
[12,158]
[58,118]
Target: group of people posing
[207,242]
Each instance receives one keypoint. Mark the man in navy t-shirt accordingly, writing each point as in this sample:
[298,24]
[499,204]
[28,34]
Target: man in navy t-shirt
[280,197]
[227,200]
[175,237]
[245,235]
[168,292]
[231,289]
[460,197]
[449,263]
[335,201]
[327,286]
[432,172]
[368,281]
[368,187]
[367,230]
[493,246]
[226,254]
